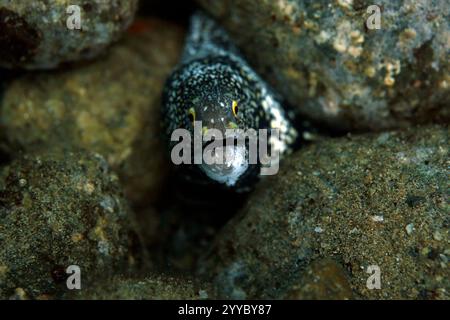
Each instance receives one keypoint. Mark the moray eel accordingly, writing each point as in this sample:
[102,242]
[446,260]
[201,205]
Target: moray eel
[215,85]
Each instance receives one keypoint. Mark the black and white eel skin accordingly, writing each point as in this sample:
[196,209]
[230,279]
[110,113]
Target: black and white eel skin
[214,84]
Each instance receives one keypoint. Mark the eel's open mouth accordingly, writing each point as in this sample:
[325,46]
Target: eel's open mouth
[226,164]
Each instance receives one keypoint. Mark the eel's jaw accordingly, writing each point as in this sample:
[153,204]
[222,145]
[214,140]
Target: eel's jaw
[231,164]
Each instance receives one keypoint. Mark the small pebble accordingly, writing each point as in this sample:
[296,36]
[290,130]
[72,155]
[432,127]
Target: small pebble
[409,228]
[378,218]
[318,230]
[437,236]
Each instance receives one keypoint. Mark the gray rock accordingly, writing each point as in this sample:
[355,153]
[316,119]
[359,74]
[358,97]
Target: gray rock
[323,279]
[348,199]
[56,210]
[35,34]
[330,67]
[154,287]
[110,106]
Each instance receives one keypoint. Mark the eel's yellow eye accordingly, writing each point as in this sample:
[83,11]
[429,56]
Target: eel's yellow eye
[191,114]
[235,108]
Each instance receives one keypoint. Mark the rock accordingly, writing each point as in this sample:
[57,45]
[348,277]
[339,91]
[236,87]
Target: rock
[332,68]
[36,34]
[156,287]
[327,202]
[322,280]
[111,107]
[57,210]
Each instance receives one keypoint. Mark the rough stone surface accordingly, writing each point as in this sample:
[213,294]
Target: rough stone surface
[324,60]
[35,34]
[110,106]
[156,287]
[59,209]
[322,280]
[361,201]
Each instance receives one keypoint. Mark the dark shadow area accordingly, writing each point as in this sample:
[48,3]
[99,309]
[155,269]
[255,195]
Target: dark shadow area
[177,11]
[191,215]
[5,78]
